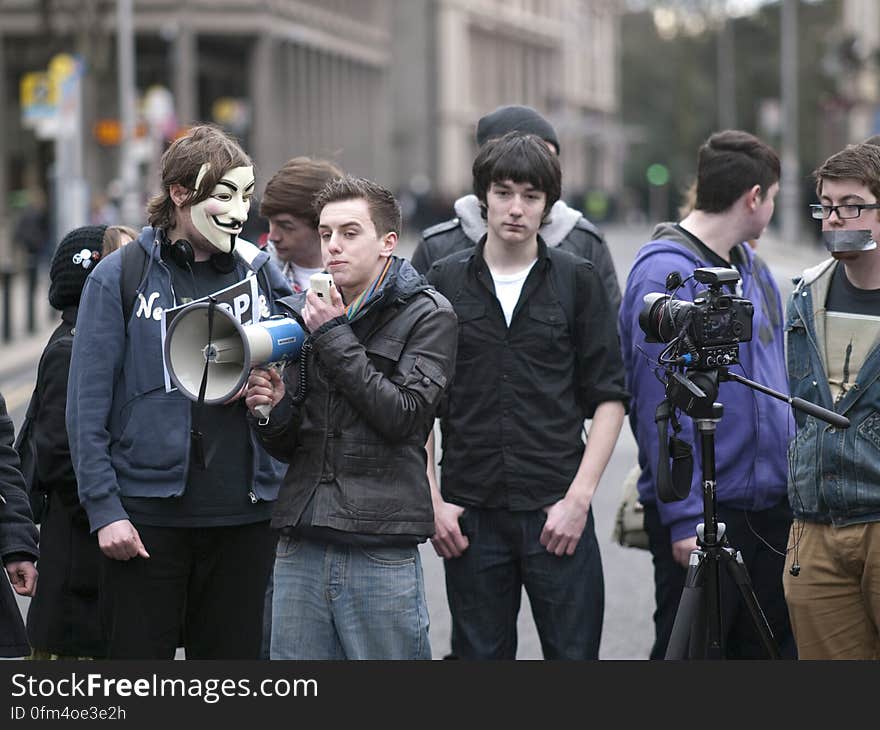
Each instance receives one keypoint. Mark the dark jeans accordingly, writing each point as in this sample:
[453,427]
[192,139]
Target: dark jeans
[484,588]
[740,638]
[206,585]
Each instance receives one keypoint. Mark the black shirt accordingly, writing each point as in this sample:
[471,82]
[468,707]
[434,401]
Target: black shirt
[844,297]
[513,415]
[218,494]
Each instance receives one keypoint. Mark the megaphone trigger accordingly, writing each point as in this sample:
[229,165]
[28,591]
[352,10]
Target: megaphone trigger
[263,412]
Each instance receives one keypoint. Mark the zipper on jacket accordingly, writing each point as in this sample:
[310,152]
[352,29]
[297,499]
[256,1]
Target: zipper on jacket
[252,496]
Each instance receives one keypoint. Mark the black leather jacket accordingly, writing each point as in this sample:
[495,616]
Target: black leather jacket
[356,445]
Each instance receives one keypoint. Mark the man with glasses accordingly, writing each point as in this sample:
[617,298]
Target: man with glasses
[832,584]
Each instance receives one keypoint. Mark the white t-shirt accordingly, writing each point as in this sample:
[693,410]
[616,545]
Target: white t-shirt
[508,287]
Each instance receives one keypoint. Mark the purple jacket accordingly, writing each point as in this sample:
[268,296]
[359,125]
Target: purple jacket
[752,437]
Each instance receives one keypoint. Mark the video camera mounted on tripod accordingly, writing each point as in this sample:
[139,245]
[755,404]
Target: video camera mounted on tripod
[703,339]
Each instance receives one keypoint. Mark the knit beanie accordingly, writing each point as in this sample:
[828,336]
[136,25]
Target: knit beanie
[76,256]
[515,119]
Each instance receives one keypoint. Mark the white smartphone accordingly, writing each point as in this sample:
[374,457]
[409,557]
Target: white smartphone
[320,284]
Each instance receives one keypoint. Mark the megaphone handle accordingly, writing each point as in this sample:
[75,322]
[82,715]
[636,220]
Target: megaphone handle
[263,412]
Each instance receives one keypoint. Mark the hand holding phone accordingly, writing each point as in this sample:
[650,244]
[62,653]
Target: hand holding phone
[320,284]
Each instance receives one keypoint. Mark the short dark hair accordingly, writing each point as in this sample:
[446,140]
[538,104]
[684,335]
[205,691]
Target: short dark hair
[384,209]
[522,158]
[292,189]
[730,163]
[860,162]
[181,163]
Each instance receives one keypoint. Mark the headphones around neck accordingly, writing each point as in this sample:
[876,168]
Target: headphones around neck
[181,253]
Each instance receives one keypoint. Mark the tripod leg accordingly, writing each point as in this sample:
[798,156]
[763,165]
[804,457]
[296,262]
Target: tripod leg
[689,611]
[740,575]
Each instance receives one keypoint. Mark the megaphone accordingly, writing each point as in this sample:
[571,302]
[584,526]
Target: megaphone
[232,351]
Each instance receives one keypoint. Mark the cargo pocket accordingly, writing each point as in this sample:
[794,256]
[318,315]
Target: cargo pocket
[426,378]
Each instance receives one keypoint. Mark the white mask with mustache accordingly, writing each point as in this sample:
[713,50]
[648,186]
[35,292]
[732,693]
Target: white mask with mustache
[221,216]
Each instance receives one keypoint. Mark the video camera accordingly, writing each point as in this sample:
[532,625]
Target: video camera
[705,333]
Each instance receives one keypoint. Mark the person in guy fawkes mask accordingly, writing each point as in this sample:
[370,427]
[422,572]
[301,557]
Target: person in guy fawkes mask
[832,581]
[179,493]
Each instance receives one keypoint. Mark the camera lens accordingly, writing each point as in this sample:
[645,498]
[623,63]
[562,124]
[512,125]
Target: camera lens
[662,317]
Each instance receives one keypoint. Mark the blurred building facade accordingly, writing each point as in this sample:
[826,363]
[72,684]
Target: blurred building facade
[859,49]
[559,56]
[390,89]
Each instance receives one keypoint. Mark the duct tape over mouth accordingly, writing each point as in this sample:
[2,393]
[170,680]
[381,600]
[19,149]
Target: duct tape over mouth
[843,241]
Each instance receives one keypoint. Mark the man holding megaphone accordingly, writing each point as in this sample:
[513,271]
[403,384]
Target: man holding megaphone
[351,420]
[179,493]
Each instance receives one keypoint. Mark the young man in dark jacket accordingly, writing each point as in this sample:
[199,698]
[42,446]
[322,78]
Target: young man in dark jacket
[18,543]
[538,354]
[563,227]
[186,539]
[737,181]
[355,502]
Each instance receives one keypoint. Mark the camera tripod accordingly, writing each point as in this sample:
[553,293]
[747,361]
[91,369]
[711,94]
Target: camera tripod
[697,629]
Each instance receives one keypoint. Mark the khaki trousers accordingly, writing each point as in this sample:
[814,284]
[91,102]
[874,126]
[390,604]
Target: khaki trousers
[834,603]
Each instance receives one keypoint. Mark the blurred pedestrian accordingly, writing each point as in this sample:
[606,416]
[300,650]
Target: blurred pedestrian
[563,227]
[178,492]
[737,183]
[31,231]
[64,619]
[293,224]
[18,543]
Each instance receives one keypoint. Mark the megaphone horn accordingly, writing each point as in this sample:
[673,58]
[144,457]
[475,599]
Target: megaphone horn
[233,350]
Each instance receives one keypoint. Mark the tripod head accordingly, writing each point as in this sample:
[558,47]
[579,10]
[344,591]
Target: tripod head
[702,339]
[694,392]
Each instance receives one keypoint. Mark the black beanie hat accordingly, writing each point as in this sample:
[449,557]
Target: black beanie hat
[76,256]
[515,119]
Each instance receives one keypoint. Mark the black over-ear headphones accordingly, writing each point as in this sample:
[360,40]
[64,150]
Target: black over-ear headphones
[181,253]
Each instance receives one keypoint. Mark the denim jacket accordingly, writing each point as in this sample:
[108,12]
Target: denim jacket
[834,474]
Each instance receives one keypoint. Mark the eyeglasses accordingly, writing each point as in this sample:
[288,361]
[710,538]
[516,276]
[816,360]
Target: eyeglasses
[853,210]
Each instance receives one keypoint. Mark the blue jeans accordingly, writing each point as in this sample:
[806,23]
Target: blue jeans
[348,602]
[484,586]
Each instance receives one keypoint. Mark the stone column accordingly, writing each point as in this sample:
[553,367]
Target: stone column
[185,75]
[266,127]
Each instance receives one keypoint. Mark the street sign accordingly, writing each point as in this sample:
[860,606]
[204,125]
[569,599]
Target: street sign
[38,98]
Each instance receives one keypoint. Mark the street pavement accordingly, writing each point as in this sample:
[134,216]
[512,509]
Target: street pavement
[628,630]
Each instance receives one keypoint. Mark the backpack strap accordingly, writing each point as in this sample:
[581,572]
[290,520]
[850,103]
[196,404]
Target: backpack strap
[134,264]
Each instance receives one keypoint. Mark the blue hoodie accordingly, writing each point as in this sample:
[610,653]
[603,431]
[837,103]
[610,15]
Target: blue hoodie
[752,438]
[127,435]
